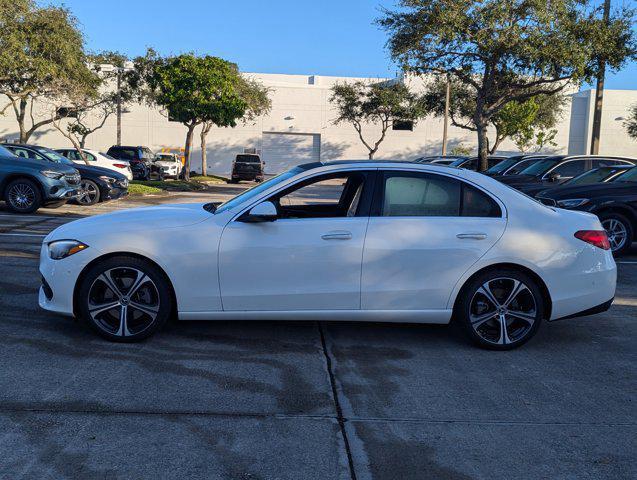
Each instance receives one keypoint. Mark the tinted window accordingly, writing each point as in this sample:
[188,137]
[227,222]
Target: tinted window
[502,166]
[629,176]
[248,158]
[124,153]
[518,167]
[147,153]
[321,192]
[571,168]
[414,194]
[24,153]
[538,168]
[478,204]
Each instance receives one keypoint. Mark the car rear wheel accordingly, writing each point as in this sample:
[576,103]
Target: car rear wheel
[619,231]
[125,299]
[22,196]
[501,310]
[90,193]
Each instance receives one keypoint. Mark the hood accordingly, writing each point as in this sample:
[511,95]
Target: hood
[166,163]
[136,219]
[515,179]
[94,169]
[587,191]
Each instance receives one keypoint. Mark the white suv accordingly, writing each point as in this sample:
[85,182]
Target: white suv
[98,159]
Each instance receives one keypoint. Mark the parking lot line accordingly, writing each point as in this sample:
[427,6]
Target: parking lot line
[30,217]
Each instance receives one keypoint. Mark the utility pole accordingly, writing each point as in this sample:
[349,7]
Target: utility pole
[446,122]
[119,106]
[599,93]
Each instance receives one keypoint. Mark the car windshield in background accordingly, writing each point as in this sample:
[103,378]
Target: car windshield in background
[6,152]
[248,159]
[628,177]
[53,155]
[540,167]
[503,165]
[517,168]
[459,162]
[256,190]
[147,154]
[106,155]
[593,176]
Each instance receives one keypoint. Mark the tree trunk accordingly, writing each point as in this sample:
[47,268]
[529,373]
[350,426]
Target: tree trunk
[83,141]
[204,153]
[24,135]
[371,154]
[483,147]
[188,147]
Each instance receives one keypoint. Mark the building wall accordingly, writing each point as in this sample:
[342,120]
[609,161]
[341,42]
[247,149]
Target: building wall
[300,105]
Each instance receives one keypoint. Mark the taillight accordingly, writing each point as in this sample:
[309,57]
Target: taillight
[594,237]
[120,165]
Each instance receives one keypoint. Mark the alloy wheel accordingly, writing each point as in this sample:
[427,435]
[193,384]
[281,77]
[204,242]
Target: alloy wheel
[617,233]
[123,301]
[503,310]
[21,196]
[88,194]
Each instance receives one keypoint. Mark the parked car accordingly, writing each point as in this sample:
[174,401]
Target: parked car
[555,170]
[140,159]
[97,184]
[247,166]
[27,183]
[597,175]
[396,241]
[513,165]
[170,164]
[98,159]
[439,159]
[614,202]
[471,163]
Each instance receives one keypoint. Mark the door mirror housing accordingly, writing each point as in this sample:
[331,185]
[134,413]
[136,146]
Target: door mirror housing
[263,212]
[554,177]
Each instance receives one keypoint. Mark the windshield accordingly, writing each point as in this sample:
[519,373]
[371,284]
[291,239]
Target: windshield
[54,156]
[256,190]
[107,156]
[503,165]
[459,162]
[538,168]
[592,176]
[6,151]
[629,176]
[248,158]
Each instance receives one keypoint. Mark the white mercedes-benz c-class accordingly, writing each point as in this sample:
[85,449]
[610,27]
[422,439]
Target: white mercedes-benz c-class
[351,240]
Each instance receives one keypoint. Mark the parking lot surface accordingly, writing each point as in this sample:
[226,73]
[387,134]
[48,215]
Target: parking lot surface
[293,400]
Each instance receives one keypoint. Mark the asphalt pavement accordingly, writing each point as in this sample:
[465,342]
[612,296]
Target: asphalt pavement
[295,400]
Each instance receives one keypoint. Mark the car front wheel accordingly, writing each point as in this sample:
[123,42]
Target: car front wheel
[22,196]
[125,299]
[90,193]
[500,309]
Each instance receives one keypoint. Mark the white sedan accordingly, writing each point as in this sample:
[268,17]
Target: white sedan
[98,159]
[372,241]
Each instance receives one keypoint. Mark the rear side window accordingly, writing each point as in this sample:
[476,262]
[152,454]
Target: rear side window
[125,153]
[478,204]
[408,194]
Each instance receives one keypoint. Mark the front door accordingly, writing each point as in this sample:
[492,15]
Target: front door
[425,231]
[309,258]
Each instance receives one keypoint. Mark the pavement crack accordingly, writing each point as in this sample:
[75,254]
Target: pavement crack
[337,404]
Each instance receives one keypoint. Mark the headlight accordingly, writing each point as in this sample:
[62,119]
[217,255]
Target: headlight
[65,248]
[107,179]
[52,174]
[572,202]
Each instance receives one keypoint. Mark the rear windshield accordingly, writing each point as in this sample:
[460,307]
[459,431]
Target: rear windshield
[124,153]
[147,153]
[248,158]
[629,176]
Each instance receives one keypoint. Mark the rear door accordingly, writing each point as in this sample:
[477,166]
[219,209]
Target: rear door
[425,231]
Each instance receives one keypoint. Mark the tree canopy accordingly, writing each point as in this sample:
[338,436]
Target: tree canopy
[631,122]
[507,50]
[379,104]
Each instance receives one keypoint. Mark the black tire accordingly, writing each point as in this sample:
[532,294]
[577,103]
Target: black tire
[486,331]
[22,196]
[93,193]
[611,219]
[153,294]
[233,180]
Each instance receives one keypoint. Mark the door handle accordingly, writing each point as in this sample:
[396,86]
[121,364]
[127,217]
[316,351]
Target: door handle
[337,235]
[471,236]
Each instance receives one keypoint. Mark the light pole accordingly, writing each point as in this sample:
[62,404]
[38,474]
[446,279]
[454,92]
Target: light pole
[128,66]
[446,123]
[599,93]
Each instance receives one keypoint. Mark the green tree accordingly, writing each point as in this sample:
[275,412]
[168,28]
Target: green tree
[528,120]
[507,50]
[195,90]
[631,122]
[359,103]
[42,60]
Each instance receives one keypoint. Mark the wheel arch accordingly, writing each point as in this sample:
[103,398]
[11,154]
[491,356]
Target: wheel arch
[546,295]
[89,265]
[621,209]
[18,176]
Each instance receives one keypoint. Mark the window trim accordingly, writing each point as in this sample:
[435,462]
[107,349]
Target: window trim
[379,194]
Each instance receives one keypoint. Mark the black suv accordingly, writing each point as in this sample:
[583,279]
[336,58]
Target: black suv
[614,202]
[247,166]
[140,160]
[555,170]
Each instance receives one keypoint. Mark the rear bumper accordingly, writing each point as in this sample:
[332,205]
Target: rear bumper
[602,307]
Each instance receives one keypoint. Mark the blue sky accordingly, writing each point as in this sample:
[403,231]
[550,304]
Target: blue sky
[321,37]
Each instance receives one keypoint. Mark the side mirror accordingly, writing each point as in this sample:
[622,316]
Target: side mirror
[554,177]
[263,212]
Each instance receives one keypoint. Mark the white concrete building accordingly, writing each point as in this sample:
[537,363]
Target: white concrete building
[300,129]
